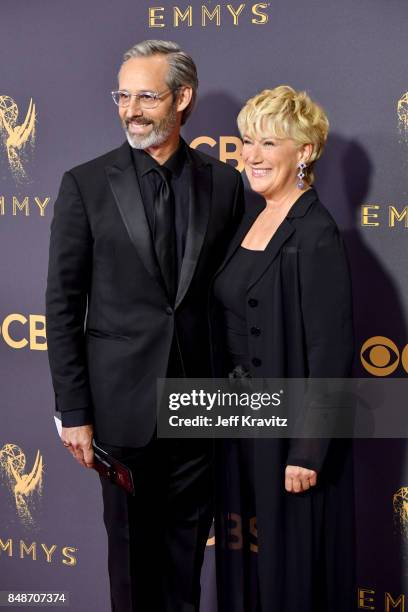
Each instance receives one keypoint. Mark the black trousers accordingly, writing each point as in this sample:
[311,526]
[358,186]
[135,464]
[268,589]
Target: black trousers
[156,540]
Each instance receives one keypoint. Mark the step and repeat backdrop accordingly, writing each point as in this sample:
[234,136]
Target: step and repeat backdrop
[59,62]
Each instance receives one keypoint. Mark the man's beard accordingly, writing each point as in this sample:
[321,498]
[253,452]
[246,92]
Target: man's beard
[161,131]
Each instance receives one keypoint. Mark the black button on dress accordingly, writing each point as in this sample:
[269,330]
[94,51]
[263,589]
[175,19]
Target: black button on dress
[230,289]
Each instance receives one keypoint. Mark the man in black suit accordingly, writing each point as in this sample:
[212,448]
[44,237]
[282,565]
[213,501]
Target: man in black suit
[136,237]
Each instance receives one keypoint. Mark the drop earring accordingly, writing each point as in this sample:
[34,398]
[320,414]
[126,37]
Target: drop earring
[301,175]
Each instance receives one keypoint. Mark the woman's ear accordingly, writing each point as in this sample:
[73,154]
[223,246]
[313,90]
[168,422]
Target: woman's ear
[305,153]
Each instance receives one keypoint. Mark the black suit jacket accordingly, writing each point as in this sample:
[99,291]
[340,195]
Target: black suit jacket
[299,325]
[298,310]
[110,326]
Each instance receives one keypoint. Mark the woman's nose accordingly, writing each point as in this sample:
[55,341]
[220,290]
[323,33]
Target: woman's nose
[254,154]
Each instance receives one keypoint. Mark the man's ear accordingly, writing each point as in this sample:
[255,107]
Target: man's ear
[184,96]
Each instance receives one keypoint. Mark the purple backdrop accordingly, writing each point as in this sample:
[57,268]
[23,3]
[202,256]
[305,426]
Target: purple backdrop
[59,63]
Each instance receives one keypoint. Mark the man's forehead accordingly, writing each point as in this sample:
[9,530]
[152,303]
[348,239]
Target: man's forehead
[152,69]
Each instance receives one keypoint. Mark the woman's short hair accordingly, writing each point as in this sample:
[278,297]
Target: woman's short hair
[283,112]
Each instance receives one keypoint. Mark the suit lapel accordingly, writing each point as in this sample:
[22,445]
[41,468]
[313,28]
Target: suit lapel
[284,231]
[238,237]
[199,212]
[282,234]
[125,187]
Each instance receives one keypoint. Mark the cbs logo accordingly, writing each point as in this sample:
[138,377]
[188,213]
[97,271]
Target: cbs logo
[380,356]
[20,332]
[229,148]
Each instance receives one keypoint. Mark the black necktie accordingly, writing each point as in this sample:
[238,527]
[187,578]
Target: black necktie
[164,232]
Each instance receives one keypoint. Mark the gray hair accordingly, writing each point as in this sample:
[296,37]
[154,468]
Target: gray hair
[182,69]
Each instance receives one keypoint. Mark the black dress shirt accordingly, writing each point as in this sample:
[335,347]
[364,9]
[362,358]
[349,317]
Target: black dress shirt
[180,184]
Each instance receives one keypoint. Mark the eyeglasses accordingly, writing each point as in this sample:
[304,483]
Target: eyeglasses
[146,99]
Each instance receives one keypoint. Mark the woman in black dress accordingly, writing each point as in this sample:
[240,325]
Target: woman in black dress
[282,309]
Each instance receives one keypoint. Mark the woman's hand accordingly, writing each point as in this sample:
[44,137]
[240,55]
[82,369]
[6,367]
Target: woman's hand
[298,479]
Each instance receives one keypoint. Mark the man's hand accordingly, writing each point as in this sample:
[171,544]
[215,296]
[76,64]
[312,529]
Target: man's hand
[78,440]
[298,479]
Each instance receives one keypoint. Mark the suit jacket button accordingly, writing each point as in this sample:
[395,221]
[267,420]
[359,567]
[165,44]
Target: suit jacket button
[255,331]
[252,302]
[169,310]
[256,362]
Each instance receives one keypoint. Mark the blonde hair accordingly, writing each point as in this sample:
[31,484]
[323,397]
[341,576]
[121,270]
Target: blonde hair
[283,112]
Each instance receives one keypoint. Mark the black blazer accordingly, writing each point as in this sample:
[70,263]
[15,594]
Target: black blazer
[109,322]
[298,308]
